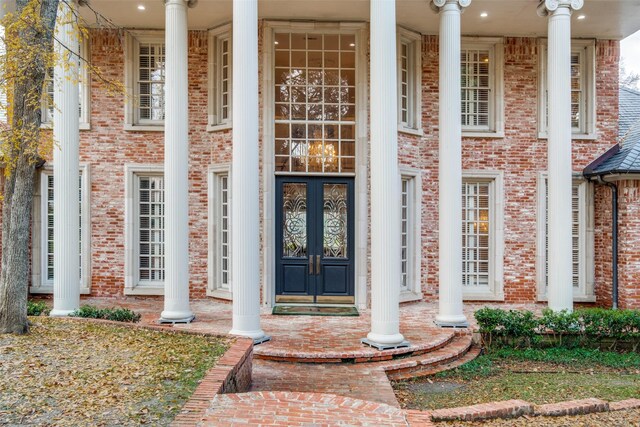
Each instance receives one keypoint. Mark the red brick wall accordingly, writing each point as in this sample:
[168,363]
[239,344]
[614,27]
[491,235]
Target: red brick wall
[107,147]
[520,155]
[629,244]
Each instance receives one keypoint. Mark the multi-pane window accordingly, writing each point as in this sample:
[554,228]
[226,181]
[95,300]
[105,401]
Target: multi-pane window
[581,238]
[47,103]
[150,81]
[315,102]
[219,232]
[409,80]
[582,88]
[220,75]
[404,82]
[476,82]
[150,229]
[404,232]
[48,226]
[476,232]
[225,78]
[43,243]
[577,90]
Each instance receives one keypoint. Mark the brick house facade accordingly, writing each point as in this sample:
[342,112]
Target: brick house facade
[504,163]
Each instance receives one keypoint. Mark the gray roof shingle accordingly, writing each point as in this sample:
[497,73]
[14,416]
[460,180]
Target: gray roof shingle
[624,157]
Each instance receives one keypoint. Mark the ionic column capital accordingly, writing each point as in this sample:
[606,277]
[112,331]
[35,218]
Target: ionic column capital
[189,3]
[438,5]
[548,7]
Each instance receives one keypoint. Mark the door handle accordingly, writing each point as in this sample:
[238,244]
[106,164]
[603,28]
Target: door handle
[318,264]
[310,264]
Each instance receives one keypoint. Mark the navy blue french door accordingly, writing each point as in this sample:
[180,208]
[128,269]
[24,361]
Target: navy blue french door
[314,239]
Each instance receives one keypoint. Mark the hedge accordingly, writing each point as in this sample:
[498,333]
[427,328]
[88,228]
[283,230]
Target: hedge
[592,327]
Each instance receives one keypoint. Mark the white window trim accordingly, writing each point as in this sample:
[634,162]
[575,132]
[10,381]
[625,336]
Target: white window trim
[495,291]
[586,288]
[214,288]
[85,100]
[132,40]
[215,122]
[414,106]
[131,171]
[495,45]
[414,232]
[589,47]
[39,283]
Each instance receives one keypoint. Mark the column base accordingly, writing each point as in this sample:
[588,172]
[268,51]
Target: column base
[382,346]
[451,322]
[173,321]
[258,336]
[60,313]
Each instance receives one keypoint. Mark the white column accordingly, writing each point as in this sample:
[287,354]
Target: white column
[450,166]
[560,284]
[245,209]
[385,181]
[66,167]
[176,166]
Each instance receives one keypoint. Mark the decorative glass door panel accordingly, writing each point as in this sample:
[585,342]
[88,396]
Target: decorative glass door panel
[314,226]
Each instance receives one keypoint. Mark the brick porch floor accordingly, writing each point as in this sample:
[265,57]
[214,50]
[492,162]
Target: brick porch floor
[286,392]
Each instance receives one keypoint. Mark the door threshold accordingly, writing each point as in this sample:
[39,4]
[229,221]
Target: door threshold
[314,310]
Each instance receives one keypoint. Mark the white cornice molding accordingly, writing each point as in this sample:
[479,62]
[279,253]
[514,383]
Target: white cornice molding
[438,5]
[547,7]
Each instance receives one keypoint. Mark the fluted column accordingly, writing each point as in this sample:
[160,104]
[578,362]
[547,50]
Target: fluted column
[176,165]
[66,167]
[245,233]
[450,166]
[560,283]
[385,181]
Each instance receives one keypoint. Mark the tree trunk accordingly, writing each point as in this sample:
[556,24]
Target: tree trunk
[35,41]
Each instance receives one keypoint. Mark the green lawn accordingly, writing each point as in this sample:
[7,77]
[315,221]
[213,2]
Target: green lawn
[537,376]
[79,373]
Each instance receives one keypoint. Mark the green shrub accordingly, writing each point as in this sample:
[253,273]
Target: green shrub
[37,308]
[593,327]
[117,314]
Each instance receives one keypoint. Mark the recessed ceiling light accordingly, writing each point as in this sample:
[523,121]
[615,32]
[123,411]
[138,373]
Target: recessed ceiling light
[581,17]
[352,44]
[276,42]
[484,15]
[141,7]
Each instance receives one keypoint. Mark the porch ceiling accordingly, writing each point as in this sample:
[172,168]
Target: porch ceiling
[604,18]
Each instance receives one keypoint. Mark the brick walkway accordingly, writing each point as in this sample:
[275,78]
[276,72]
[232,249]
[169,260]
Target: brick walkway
[288,393]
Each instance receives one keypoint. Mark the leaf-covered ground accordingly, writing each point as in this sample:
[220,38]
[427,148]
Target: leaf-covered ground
[75,373]
[536,376]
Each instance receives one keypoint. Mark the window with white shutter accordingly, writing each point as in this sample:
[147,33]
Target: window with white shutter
[581,240]
[150,226]
[481,86]
[582,89]
[144,230]
[145,80]
[482,231]
[47,105]
[42,237]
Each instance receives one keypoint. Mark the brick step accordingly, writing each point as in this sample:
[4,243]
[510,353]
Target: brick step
[458,352]
[365,354]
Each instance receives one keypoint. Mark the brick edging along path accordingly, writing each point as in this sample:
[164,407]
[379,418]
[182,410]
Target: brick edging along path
[518,408]
[231,374]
